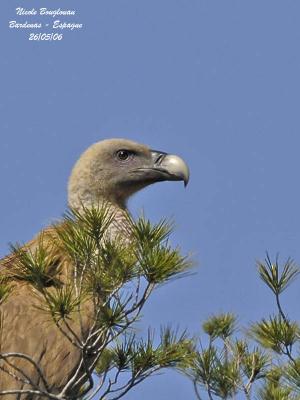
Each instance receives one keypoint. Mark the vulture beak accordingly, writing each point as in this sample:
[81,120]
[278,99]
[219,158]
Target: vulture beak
[170,167]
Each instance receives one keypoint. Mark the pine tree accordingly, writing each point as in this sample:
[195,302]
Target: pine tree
[111,280]
[264,364]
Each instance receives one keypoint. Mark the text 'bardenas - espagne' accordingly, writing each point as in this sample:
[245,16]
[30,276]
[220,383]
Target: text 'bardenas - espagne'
[48,21]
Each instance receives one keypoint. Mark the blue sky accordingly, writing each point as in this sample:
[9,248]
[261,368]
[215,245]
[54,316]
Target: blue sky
[216,82]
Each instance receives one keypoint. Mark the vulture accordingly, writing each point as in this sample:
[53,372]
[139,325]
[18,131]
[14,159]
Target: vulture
[109,171]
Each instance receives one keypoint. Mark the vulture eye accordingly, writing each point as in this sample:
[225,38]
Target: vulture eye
[123,155]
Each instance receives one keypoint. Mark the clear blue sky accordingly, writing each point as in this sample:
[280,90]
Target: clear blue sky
[216,82]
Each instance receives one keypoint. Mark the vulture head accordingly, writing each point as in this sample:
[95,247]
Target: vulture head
[114,169]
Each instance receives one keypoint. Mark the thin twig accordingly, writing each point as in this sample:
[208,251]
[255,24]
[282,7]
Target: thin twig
[196,390]
[288,349]
[98,388]
[29,359]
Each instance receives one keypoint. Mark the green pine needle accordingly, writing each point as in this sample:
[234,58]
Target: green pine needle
[275,333]
[6,288]
[270,273]
[37,267]
[160,263]
[150,235]
[222,325]
[61,302]
[255,364]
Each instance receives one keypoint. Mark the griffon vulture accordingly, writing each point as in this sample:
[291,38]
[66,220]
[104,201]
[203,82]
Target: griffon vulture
[108,171]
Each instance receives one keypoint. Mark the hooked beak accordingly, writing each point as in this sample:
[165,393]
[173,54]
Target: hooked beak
[170,167]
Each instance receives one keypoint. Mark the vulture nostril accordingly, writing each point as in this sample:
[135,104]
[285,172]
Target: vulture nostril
[159,159]
[157,156]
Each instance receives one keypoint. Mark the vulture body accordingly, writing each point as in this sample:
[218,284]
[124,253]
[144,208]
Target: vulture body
[109,171]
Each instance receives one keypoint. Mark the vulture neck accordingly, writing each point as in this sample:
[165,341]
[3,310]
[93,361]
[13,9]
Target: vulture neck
[90,201]
[120,223]
[79,197]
